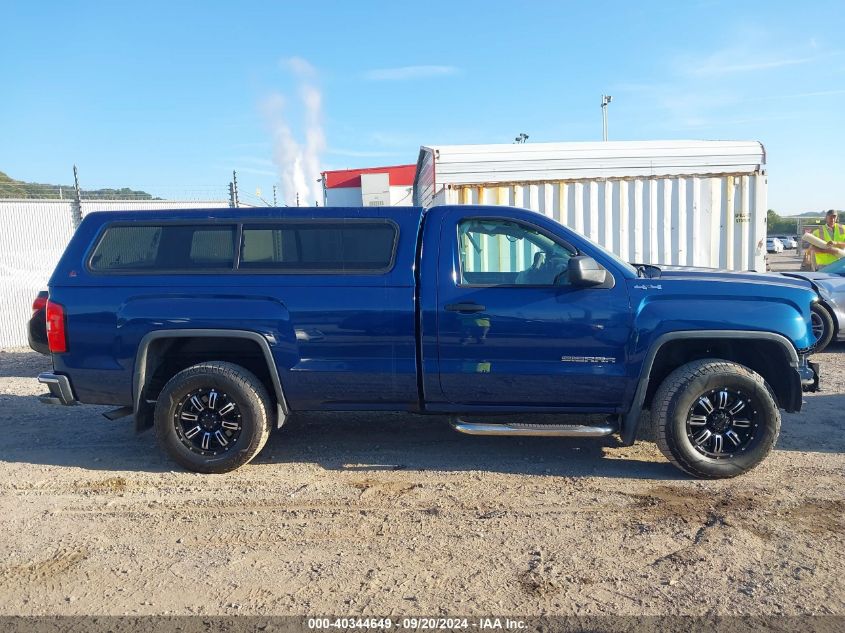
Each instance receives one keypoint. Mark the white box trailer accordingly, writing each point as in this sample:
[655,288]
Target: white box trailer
[686,203]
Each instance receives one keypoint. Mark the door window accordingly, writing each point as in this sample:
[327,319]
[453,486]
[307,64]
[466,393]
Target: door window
[496,252]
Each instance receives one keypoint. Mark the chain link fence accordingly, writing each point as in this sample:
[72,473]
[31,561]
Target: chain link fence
[35,232]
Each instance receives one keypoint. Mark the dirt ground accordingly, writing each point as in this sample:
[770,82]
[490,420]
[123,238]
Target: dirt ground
[395,515]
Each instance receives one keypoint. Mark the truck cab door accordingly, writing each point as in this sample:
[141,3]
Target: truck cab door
[511,330]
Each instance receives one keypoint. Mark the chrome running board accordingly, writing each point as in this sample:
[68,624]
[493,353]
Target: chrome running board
[536,430]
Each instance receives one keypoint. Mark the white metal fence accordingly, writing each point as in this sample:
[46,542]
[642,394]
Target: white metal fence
[33,236]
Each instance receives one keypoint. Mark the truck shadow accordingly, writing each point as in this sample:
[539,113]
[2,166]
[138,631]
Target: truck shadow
[80,437]
[378,442]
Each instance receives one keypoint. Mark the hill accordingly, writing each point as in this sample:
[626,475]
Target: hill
[11,188]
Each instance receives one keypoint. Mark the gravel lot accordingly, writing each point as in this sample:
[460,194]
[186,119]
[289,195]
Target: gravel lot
[393,515]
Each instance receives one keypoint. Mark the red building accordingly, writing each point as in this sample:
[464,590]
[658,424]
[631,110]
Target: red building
[370,187]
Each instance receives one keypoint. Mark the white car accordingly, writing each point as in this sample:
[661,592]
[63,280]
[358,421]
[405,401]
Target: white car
[789,243]
[774,245]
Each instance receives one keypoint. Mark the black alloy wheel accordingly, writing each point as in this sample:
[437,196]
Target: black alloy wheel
[208,421]
[715,418]
[721,423]
[213,417]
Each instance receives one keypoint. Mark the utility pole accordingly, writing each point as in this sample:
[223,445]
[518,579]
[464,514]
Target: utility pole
[605,100]
[231,195]
[322,181]
[235,188]
[76,205]
[297,198]
[275,204]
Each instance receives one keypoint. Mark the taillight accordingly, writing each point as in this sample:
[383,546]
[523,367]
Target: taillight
[40,302]
[56,335]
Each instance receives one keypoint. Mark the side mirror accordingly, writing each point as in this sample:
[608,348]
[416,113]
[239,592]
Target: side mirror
[585,271]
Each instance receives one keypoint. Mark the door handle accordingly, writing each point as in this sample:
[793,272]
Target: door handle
[465,307]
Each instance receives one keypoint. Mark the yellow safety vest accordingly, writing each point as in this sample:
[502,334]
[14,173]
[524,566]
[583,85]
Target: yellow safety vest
[824,233]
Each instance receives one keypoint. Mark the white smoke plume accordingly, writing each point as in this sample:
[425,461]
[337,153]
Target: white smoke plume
[298,161]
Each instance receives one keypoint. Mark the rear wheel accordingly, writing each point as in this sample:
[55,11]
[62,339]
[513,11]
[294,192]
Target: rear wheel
[822,323]
[715,419]
[213,417]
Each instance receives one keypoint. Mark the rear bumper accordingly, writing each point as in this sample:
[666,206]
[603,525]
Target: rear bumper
[60,389]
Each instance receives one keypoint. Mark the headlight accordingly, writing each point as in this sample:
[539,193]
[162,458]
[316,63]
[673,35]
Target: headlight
[823,293]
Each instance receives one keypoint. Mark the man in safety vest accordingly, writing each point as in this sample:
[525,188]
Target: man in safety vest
[833,234]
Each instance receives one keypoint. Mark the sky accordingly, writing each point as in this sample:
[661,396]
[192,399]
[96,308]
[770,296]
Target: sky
[170,97]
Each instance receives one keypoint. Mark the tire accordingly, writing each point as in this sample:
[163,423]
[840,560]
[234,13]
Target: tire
[747,413]
[822,322]
[226,427]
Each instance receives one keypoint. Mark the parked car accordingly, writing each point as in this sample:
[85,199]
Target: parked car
[774,245]
[789,243]
[213,326]
[828,314]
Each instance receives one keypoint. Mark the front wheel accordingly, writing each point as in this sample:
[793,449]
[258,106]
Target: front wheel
[822,324]
[715,419]
[213,417]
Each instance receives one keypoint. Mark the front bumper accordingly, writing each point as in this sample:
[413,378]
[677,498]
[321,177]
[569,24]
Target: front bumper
[809,373]
[60,389]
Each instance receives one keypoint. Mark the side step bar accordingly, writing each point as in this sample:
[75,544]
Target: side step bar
[536,430]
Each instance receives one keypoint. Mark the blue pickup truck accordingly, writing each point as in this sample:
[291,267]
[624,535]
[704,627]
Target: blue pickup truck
[214,326]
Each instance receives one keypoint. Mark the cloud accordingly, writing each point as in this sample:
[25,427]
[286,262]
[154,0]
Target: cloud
[253,145]
[252,160]
[297,156]
[403,73]
[338,151]
[718,65]
[723,121]
[802,95]
[315,140]
[394,139]
[756,53]
[745,82]
[298,66]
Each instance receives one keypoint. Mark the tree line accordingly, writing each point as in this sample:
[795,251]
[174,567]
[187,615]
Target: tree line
[779,225]
[11,188]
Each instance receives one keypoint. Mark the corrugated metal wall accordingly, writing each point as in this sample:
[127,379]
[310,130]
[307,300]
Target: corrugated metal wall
[711,221]
[33,236]
[424,185]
